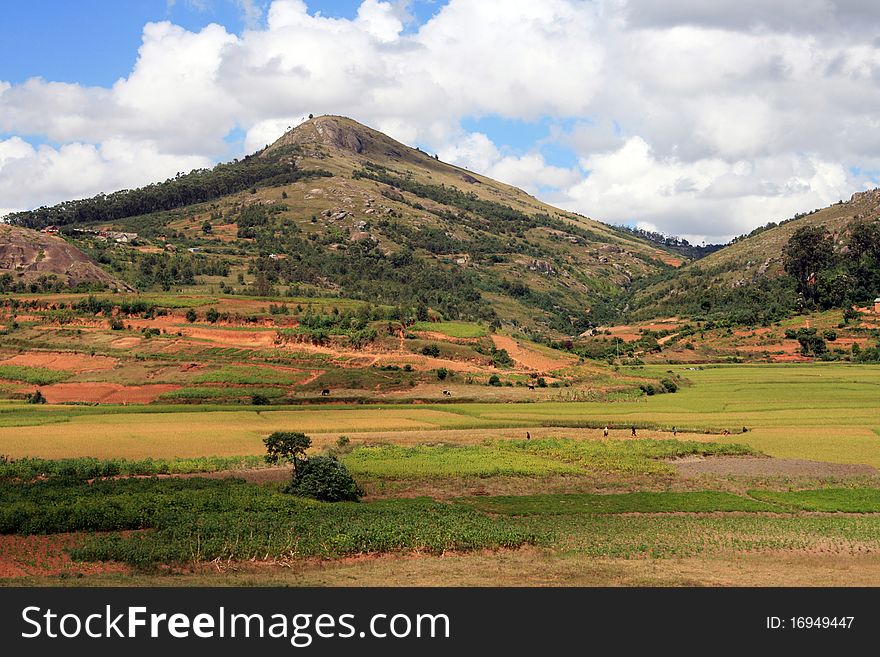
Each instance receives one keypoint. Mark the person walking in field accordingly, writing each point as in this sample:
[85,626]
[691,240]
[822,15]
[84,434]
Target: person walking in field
[633,431]
[528,436]
[605,432]
[674,431]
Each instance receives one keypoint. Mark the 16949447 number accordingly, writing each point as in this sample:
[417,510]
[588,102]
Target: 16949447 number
[810,622]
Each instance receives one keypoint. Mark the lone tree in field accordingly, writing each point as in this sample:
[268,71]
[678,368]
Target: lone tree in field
[287,447]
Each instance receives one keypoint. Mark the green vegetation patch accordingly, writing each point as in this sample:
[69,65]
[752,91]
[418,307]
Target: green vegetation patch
[623,456]
[666,502]
[221,393]
[452,329]
[38,376]
[83,469]
[844,500]
[249,376]
[530,457]
[204,519]
[394,461]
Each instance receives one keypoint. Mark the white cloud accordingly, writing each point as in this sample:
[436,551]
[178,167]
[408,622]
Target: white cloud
[697,118]
[80,170]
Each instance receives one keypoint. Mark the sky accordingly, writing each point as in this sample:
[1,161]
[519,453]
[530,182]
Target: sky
[693,118]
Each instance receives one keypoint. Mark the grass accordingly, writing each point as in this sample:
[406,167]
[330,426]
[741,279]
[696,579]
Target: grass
[249,376]
[393,461]
[528,457]
[829,500]
[221,393]
[666,502]
[39,376]
[82,469]
[452,329]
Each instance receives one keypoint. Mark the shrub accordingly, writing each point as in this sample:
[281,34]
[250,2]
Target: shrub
[542,383]
[830,335]
[212,315]
[494,380]
[36,398]
[442,373]
[431,350]
[670,385]
[191,316]
[648,389]
[326,479]
[259,400]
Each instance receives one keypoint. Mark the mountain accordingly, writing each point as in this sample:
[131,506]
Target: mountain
[334,208]
[35,261]
[746,280]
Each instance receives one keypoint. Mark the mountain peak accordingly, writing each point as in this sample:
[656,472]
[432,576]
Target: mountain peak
[346,136]
[336,132]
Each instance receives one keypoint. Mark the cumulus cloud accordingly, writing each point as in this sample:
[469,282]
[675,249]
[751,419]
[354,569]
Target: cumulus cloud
[702,119]
[79,170]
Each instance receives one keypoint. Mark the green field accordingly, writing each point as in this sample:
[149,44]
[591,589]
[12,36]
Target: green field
[646,502]
[452,329]
[820,412]
[534,458]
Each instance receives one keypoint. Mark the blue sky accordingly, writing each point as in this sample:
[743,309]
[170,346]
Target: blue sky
[703,124]
[95,42]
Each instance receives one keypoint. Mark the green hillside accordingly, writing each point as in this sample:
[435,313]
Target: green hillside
[746,281]
[334,208]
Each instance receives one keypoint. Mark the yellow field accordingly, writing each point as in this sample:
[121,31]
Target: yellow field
[818,412]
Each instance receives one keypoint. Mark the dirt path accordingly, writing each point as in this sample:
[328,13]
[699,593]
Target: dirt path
[757,466]
[528,358]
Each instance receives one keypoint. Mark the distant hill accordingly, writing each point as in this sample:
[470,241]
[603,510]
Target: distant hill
[336,208]
[675,244]
[747,278]
[34,261]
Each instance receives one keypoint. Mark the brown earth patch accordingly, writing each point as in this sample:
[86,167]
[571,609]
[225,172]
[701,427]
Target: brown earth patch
[761,466]
[24,556]
[104,393]
[528,358]
[55,360]
[125,343]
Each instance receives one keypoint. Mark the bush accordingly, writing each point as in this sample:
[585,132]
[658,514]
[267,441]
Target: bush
[542,383]
[431,350]
[326,479]
[191,316]
[830,335]
[442,373]
[494,380]
[670,385]
[648,389]
[260,400]
[36,398]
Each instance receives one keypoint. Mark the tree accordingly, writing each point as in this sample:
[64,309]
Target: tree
[442,373]
[212,315]
[808,251]
[207,228]
[191,316]
[326,479]
[287,447]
